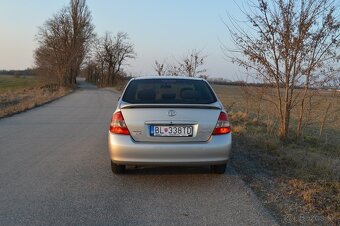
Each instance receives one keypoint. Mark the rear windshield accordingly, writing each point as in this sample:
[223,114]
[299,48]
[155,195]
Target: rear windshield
[176,91]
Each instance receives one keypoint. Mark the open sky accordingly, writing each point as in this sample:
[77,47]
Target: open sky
[159,29]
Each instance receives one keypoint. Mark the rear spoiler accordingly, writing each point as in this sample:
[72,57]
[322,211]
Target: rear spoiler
[196,106]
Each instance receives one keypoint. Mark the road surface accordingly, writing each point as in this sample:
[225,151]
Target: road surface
[55,170]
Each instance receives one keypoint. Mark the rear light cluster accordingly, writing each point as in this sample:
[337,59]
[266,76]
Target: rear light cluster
[118,125]
[222,125]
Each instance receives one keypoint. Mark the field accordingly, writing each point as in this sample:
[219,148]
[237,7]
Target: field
[10,83]
[18,94]
[298,181]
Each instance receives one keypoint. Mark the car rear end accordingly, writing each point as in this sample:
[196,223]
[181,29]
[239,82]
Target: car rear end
[169,121]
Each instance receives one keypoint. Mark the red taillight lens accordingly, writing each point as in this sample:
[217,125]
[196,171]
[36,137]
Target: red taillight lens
[118,125]
[222,125]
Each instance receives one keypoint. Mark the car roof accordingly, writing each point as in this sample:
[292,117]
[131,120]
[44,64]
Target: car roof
[167,77]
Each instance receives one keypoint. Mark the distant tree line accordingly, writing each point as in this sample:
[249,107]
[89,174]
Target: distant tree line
[27,71]
[328,86]
[68,46]
[191,65]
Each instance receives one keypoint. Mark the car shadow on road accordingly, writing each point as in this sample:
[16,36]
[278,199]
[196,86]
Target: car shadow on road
[173,170]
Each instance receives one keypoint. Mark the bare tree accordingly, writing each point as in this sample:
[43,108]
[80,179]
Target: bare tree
[82,35]
[110,54]
[190,64]
[124,49]
[160,68]
[63,43]
[173,70]
[51,57]
[289,44]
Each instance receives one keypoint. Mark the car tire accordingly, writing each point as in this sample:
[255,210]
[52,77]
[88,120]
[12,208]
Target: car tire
[219,169]
[117,169]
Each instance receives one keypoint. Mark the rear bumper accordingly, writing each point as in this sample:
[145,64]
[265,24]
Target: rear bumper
[124,150]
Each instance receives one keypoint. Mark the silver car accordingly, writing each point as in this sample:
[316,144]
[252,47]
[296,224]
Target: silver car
[169,121]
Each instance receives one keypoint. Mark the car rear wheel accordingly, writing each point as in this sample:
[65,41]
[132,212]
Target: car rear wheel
[117,169]
[219,169]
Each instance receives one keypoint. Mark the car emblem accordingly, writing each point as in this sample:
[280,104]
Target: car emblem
[171,113]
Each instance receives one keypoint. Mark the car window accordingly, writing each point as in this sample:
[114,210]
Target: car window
[177,91]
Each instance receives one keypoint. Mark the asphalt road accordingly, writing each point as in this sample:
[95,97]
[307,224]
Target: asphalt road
[55,170]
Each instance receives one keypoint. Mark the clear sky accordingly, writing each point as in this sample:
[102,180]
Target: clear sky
[159,29]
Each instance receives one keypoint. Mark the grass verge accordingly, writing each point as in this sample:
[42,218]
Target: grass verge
[20,94]
[299,183]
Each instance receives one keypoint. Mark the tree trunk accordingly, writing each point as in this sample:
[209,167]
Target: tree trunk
[284,124]
[323,122]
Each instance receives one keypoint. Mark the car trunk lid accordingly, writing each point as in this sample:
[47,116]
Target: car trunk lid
[142,119]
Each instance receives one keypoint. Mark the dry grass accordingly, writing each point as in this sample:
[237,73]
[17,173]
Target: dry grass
[320,196]
[299,182]
[315,166]
[19,94]
[234,100]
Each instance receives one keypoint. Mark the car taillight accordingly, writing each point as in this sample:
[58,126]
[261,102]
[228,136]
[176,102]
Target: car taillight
[118,125]
[222,125]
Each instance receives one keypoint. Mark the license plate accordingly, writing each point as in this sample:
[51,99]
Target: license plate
[171,131]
